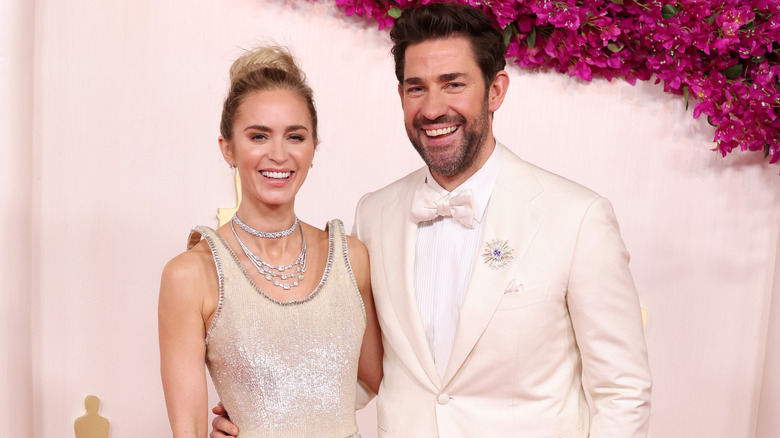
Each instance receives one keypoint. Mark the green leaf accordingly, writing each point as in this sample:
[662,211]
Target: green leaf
[394,12]
[531,40]
[669,11]
[507,34]
[686,94]
[614,47]
[710,122]
[734,71]
[617,2]
[766,149]
[711,19]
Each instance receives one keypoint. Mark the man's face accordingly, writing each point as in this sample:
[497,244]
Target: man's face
[446,110]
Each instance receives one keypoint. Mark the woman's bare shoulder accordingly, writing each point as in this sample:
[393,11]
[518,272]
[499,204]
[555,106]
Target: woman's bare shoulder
[191,271]
[356,247]
[358,259]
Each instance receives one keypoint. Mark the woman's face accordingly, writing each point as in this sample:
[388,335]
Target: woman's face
[272,146]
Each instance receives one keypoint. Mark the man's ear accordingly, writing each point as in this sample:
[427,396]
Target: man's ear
[227,151]
[497,90]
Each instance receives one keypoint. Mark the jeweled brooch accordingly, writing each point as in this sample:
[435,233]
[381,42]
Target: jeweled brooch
[497,253]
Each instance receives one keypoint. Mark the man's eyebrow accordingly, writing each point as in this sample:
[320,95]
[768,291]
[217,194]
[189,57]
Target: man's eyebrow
[446,77]
[450,77]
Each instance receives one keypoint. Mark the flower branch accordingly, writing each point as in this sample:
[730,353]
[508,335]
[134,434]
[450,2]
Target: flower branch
[721,53]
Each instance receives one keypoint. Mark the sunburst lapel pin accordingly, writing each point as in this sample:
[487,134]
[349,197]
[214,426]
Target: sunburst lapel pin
[498,253]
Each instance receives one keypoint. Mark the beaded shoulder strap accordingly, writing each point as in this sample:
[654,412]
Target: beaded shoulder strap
[211,237]
[336,227]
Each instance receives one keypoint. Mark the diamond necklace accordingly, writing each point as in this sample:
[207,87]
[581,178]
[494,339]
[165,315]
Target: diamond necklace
[263,234]
[271,272]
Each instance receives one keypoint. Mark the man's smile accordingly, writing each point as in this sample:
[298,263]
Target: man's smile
[440,131]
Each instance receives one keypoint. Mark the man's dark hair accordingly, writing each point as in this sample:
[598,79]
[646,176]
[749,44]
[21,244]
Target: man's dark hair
[442,20]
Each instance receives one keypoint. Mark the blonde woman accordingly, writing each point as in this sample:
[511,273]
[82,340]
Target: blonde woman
[279,311]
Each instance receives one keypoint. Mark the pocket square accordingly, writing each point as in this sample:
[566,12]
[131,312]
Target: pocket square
[514,286]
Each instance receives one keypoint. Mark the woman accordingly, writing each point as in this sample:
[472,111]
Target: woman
[280,311]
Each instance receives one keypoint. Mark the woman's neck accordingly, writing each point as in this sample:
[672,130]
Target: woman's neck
[277,245]
[266,219]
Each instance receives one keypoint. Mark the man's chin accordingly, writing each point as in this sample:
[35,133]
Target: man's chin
[440,150]
[442,166]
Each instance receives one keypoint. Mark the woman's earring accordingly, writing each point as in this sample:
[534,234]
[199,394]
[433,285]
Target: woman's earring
[232,166]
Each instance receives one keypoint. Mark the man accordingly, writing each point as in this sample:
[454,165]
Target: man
[498,285]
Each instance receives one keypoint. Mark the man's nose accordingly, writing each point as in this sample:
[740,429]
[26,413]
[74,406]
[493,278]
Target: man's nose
[434,106]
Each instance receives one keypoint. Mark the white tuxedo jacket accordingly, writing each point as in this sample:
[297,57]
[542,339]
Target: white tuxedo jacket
[520,352]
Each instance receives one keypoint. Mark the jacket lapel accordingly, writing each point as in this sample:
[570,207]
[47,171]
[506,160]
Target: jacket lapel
[399,240]
[510,218]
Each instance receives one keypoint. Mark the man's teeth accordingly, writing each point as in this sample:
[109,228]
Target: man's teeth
[441,131]
[276,175]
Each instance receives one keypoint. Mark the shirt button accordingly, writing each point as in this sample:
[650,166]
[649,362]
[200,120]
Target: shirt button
[443,399]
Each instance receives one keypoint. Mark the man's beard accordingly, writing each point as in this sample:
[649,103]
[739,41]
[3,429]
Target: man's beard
[465,153]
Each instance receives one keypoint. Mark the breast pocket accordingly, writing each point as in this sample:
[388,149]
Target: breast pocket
[524,298]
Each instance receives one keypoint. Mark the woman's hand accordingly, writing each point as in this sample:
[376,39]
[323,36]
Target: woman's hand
[222,427]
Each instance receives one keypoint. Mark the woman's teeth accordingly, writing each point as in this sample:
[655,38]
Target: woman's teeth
[276,175]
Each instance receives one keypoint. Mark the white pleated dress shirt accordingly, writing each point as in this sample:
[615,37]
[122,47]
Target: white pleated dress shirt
[444,259]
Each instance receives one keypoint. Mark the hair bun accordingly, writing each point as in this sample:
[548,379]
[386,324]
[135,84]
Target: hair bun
[269,67]
[270,56]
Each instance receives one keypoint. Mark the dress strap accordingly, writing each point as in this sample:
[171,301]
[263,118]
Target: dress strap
[194,238]
[341,252]
[211,237]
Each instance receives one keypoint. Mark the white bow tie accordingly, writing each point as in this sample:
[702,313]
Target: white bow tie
[427,204]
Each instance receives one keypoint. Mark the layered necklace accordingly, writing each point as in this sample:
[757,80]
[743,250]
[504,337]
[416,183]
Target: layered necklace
[281,276]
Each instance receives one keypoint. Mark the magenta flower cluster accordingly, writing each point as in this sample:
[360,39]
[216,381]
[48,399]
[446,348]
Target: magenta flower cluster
[721,54]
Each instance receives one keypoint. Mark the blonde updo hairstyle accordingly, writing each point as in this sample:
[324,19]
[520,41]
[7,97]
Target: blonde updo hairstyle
[265,68]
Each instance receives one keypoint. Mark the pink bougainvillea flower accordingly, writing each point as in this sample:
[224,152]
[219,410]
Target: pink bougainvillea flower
[724,55]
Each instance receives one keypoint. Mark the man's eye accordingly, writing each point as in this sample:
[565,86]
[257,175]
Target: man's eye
[455,85]
[414,90]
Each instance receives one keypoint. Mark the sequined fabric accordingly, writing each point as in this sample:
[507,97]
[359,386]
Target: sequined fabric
[286,368]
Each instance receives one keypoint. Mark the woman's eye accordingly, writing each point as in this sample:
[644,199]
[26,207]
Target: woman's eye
[259,137]
[296,138]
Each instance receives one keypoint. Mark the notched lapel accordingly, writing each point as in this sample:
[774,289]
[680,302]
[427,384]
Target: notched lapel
[510,217]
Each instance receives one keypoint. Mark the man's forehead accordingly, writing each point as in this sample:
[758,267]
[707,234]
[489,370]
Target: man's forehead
[442,56]
[458,42]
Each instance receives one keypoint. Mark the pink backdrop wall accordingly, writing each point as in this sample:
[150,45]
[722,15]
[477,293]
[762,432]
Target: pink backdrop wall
[124,160]
[16,152]
[769,403]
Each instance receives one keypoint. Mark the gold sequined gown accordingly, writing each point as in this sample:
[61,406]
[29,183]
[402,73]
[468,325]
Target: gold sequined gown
[286,368]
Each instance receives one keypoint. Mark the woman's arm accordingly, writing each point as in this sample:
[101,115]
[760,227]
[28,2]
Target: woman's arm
[182,312]
[370,363]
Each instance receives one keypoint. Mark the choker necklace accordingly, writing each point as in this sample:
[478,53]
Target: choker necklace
[294,271]
[263,234]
